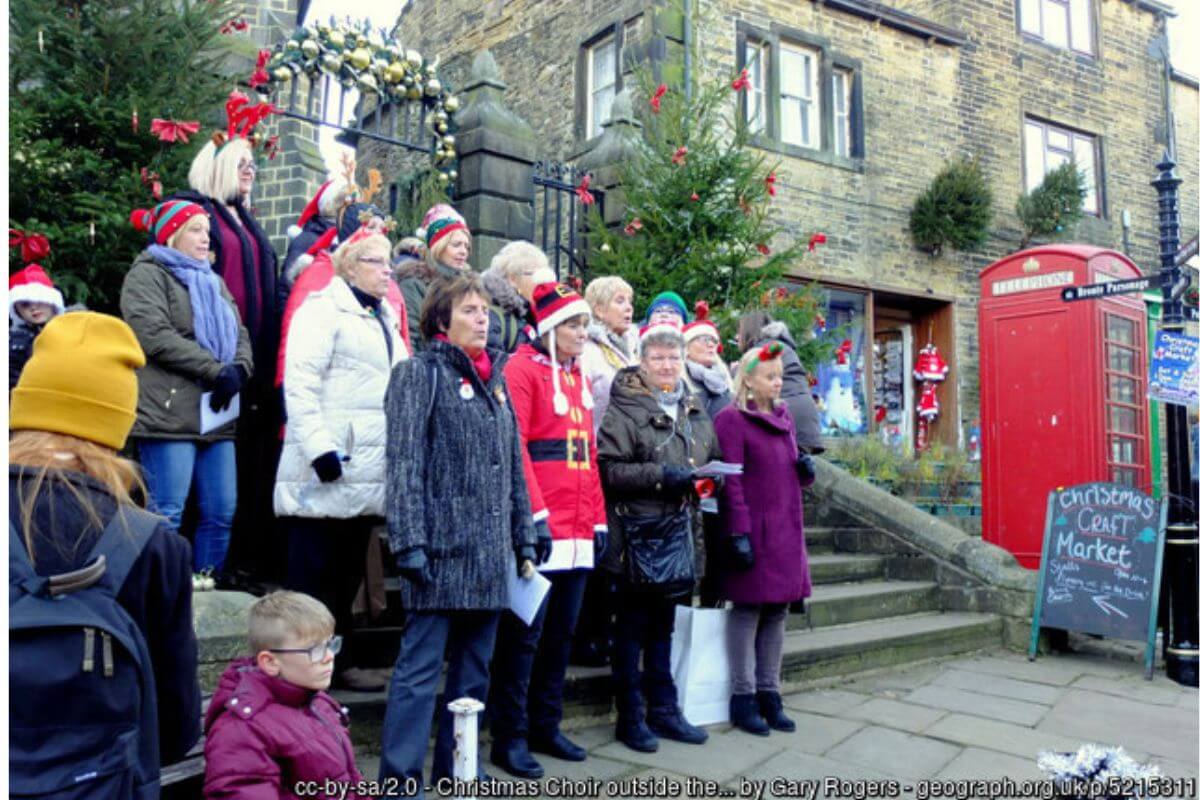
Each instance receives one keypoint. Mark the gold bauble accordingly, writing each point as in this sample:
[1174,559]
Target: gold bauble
[394,73]
[310,48]
[453,174]
[291,45]
[432,87]
[367,84]
[442,127]
[283,74]
[337,39]
[332,63]
[448,141]
[439,155]
[360,59]
[324,28]
[605,248]
[443,178]
[414,59]
[451,154]
[414,93]
[451,104]
[441,116]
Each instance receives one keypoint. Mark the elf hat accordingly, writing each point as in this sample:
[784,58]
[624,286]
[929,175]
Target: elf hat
[166,218]
[554,304]
[80,380]
[703,326]
[312,209]
[33,285]
[670,301]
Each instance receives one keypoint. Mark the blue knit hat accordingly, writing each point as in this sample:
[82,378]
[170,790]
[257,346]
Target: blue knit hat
[668,300]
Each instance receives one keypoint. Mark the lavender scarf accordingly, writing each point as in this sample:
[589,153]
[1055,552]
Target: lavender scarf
[214,321]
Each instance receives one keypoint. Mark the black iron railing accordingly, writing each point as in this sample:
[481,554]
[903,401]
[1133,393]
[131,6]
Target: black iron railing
[561,216]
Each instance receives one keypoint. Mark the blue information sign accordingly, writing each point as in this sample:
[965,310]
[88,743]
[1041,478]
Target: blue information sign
[1174,376]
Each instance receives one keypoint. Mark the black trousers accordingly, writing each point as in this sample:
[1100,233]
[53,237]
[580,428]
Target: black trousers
[327,559]
[530,663]
[594,631]
[258,539]
[645,622]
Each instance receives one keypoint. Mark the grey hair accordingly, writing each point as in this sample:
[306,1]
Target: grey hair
[663,339]
[515,255]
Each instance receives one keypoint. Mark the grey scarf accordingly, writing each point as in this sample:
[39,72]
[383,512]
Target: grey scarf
[669,401]
[711,378]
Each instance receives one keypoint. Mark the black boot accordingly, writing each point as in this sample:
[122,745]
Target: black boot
[770,705]
[513,757]
[669,723]
[633,733]
[557,745]
[743,713]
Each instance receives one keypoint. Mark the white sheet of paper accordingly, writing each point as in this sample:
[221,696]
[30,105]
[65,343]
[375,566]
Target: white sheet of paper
[714,469]
[525,596]
[211,420]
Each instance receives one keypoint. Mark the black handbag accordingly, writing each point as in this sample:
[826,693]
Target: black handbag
[659,551]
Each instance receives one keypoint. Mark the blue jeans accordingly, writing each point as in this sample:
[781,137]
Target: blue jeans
[172,468]
[466,640]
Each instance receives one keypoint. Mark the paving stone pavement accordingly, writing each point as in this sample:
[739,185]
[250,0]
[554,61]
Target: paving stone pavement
[979,717]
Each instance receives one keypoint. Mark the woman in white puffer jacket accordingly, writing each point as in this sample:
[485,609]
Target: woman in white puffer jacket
[329,490]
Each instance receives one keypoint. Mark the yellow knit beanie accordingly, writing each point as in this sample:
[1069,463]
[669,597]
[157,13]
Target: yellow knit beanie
[80,380]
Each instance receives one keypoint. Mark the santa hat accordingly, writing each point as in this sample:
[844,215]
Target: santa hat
[312,209]
[927,406]
[930,366]
[703,326]
[670,301]
[323,242]
[554,304]
[662,326]
[166,219]
[440,220]
[33,285]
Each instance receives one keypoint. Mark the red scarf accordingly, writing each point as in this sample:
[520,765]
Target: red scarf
[481,361]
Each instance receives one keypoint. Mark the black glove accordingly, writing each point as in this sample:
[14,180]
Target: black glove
[741,554]
[600,537]
[806,467]
[328,466]
[526,552]
[677,481]
[545,542]
[413,565]
[228,383]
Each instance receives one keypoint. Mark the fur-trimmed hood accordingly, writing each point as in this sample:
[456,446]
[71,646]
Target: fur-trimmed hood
[777,330]
[503,293]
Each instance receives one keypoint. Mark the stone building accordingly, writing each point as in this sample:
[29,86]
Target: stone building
[862,102]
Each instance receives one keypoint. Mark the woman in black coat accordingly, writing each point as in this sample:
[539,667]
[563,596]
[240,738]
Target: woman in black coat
[458,518]
[66,484]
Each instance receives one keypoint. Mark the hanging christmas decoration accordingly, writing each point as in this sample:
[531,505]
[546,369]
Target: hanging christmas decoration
[375,63]
[585,196]
[930,370]
[170,130]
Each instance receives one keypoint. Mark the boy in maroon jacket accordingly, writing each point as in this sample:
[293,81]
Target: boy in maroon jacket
[272,731]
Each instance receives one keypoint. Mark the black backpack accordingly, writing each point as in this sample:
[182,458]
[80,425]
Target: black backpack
[82,715]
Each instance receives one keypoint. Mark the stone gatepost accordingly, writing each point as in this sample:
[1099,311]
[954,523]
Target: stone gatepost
[496,151]
[614,147]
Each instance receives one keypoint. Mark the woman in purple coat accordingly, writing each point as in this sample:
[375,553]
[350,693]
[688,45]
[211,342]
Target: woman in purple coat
[762,511]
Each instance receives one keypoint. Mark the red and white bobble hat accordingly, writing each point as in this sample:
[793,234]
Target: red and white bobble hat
[554,304]
[930,365]
[702,326]
[33,285]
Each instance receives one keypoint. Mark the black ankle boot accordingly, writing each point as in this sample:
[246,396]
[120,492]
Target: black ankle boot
[744,714]
[668,722]
[513,757]
[770,705]
[633,733]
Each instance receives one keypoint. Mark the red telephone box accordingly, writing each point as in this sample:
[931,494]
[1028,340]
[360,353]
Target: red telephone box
[1062,387]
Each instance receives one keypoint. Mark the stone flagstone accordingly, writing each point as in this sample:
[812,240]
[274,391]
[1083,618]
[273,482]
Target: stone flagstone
[978,704]
[1000,687]
[894,752]
[1168,732]
[896,714]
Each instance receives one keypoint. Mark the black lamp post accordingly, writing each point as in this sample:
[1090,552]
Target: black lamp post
[1183,643]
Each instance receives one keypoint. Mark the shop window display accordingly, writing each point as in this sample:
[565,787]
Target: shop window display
[840,390]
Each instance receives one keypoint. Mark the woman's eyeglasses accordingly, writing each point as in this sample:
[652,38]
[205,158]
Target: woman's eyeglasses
[316,653]
[247,166]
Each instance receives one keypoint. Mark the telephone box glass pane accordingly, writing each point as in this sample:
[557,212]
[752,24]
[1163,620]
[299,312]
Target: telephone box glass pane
[1118,329]
[1122,420]
[1121,389]
[1121,359]
[1123,450]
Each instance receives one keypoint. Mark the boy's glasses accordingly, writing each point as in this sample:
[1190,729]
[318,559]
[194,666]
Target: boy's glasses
[316,653]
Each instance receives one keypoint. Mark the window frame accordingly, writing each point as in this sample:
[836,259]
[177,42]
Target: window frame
[828,63]
[590,90]
[1071,11]
[810,100]
[760,90]
[1073,134]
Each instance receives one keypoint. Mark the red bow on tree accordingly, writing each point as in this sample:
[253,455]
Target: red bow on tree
[656,100]
[770,182]
[151,179]
[585,197]
[843,351]
[742,81]
[680,157]
[260,75]
[762,248]
[34,246]
[271,148]
[633,227]
[170,130]
[814,240]
[235,24]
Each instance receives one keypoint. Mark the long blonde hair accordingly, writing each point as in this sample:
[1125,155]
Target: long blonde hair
[214,170]
[741,388]
[51,455]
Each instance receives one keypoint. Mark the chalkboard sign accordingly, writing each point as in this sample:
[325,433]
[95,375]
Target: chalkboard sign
[1101,564]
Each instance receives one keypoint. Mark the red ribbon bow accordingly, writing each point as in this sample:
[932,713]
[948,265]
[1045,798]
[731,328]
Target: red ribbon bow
[585,197]
[770,182]
[235,24]
[171,130]
[34,246]
[814,240]
[656,100]
[680,157]
[151,179]
[762,248]
[742,81]
[260,75]
[633,227]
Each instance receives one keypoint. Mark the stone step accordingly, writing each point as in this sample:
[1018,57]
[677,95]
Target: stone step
[842,568]
[839,604]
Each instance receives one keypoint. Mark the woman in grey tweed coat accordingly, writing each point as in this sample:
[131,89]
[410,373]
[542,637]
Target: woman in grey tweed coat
[458,515]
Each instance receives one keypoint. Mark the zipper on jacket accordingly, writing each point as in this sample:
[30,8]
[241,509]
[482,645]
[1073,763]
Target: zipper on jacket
[89,649]
[106,640]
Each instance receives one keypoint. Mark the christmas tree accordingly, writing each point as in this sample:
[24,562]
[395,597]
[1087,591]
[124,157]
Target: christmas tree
[96,89]
[697,221]
[1052,209]
[956,209]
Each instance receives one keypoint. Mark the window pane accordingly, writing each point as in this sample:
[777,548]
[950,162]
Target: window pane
[1054,23]
[795,72]
[1124,476]
[1120,359]
[840,87]
[1081,25]
[1055,159]
[1122,420]
[1122,450]
[1058,140]
[1121,389]
[1118,329]
[841,133]
[604,64]
[806,122]
[1085,160]
[1035,156]
[1031,20]
[755,57]
[789,120]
